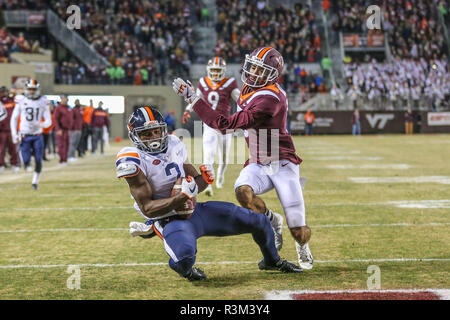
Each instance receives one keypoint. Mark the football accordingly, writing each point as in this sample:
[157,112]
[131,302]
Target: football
[186,210]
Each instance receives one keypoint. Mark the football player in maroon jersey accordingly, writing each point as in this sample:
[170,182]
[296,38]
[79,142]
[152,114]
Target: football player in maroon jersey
[217,91]
[263,114]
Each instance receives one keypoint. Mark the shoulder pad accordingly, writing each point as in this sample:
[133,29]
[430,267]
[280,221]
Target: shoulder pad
[128,154]
[126,169]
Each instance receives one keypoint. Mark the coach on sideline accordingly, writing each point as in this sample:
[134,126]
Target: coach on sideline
[100,118]
[63,125]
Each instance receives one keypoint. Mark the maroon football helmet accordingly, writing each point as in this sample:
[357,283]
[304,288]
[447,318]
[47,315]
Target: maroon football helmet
[262,67]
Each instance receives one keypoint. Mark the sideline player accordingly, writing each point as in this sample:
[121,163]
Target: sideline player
[6,142]
[264,108]
[217,90]
[31,108]
[151,169]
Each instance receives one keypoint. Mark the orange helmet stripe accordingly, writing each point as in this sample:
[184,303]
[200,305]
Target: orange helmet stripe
[217,60]
[263,52]
[150,113]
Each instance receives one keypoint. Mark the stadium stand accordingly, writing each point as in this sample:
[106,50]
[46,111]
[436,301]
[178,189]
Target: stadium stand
[144,41]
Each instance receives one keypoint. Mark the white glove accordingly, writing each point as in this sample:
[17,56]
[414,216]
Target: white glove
[140,229]
[185,90]
[15,138]
[189,188]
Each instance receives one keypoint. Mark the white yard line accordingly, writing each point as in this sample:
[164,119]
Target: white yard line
[330,226]
[394,166]
[339,158]
[330,152]
[419,179]
[420,204]
[150,264]
[62,230]
[66,209]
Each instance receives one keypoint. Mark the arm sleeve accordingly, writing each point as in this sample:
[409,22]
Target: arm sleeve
[13,121]
[128,163]
[47,118]
[264,108]
[190,106]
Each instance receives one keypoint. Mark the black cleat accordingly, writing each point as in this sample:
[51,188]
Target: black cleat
[282,265]
[196,274]
[34,186]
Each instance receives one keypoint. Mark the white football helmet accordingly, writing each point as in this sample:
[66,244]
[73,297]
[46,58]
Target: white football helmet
[216,68]
[32,90]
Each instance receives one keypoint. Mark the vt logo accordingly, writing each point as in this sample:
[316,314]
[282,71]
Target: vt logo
[381,118]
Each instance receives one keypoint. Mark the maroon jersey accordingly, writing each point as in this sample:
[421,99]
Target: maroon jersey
[9,105]
[63,117]
[77,118]
[263,115]
[218,96]
[100,118]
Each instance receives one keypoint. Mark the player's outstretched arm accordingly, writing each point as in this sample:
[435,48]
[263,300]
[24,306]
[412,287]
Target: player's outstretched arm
[142,193]
[13,124]
[204,179]
[47,118]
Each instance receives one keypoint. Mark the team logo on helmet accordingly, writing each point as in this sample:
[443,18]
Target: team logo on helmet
[148,130]
[262,67]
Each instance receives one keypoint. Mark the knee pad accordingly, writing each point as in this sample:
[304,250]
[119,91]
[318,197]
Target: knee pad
[295,215]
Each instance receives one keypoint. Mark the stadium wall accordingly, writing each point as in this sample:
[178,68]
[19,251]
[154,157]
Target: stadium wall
[372,122]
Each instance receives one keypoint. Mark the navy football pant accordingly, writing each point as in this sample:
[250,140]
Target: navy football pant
[215,218]
[33,146]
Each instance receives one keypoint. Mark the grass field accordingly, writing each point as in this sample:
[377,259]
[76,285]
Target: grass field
[80,215]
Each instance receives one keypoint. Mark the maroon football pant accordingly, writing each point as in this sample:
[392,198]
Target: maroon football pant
[6,143]
[63,142]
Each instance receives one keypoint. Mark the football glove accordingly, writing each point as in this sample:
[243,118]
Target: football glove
[189,188]
[207,173]
[186,116]
[16,138]
[185,90]
[140,229]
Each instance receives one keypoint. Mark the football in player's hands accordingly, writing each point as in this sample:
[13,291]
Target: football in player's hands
[187,208]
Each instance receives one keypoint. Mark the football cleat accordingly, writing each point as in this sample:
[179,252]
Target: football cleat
[34,186]
[282,265]
[141,229]
[209,191]
[305,258]
[277,226]
[196,274]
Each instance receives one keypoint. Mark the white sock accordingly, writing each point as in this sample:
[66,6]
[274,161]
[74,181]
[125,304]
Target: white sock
[269,213]
[36,177]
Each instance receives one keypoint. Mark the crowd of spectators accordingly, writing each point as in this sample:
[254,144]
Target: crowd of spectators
[10,43]
[243,26]
[23,4]
[143,40]
[401,84]
[412,27]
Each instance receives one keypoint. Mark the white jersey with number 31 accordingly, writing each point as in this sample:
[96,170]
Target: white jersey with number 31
[31,113]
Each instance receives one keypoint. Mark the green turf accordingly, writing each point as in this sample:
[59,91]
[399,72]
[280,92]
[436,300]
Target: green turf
[86,194]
